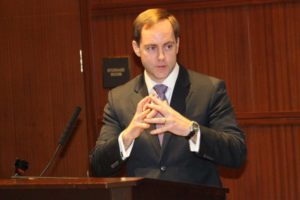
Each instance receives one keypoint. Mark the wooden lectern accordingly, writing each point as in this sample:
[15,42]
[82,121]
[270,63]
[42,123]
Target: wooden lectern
[39,188]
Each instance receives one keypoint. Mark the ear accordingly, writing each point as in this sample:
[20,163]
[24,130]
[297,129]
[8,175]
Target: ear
[177,45]
[136,48]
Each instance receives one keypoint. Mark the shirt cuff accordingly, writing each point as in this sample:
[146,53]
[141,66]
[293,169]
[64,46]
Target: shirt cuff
[195,147]
[123,152]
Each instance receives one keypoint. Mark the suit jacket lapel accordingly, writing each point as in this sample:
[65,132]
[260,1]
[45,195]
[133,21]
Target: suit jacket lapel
[181,91]
[178,103]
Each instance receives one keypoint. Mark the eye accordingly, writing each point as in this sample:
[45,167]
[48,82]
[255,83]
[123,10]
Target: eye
[150,48]
[169,46]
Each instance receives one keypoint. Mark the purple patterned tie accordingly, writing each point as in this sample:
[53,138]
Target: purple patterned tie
[160,89]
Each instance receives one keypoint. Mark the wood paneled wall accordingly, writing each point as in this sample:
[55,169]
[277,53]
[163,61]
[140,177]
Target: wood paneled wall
[41,84]
[255,47]
[272,169]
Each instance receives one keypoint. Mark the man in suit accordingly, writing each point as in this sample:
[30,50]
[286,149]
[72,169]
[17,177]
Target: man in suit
[193,115]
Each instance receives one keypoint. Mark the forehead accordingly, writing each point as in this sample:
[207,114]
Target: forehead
[158,32]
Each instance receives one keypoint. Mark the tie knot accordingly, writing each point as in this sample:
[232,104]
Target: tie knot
[161,89]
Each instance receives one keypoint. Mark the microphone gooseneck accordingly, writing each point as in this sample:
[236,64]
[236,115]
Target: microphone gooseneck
[64,138]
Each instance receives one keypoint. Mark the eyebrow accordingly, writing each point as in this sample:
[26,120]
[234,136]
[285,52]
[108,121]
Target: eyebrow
[169,42]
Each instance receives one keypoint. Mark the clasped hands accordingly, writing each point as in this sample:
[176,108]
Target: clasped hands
[146,114]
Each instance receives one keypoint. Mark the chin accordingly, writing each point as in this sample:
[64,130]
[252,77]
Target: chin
[161,78]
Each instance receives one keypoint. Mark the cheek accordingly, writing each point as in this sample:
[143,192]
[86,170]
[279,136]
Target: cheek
[146,60]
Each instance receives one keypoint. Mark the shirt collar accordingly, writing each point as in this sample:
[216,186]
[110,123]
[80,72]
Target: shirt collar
[169,81]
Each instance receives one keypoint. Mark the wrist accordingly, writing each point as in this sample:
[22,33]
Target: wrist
[127,139]
[193,129]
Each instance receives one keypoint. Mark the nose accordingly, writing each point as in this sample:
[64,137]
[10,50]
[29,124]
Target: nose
[161,54]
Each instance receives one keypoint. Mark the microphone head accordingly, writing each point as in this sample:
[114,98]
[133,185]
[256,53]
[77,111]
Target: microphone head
[69,128]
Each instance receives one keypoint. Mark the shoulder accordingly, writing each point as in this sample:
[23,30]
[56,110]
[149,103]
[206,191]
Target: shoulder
[124,96]
[126,88]
[199,80]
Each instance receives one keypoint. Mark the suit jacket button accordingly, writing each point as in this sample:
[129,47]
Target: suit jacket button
[163,168]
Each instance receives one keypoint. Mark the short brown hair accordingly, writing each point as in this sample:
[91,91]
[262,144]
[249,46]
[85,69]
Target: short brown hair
[149,18]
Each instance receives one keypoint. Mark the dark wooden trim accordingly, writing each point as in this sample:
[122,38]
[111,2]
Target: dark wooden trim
[86,39]
[100,9]
[269,118]
[122,188]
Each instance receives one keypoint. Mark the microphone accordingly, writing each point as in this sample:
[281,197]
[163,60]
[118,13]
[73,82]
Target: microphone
[64,137]
[20,167]
[68,130]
